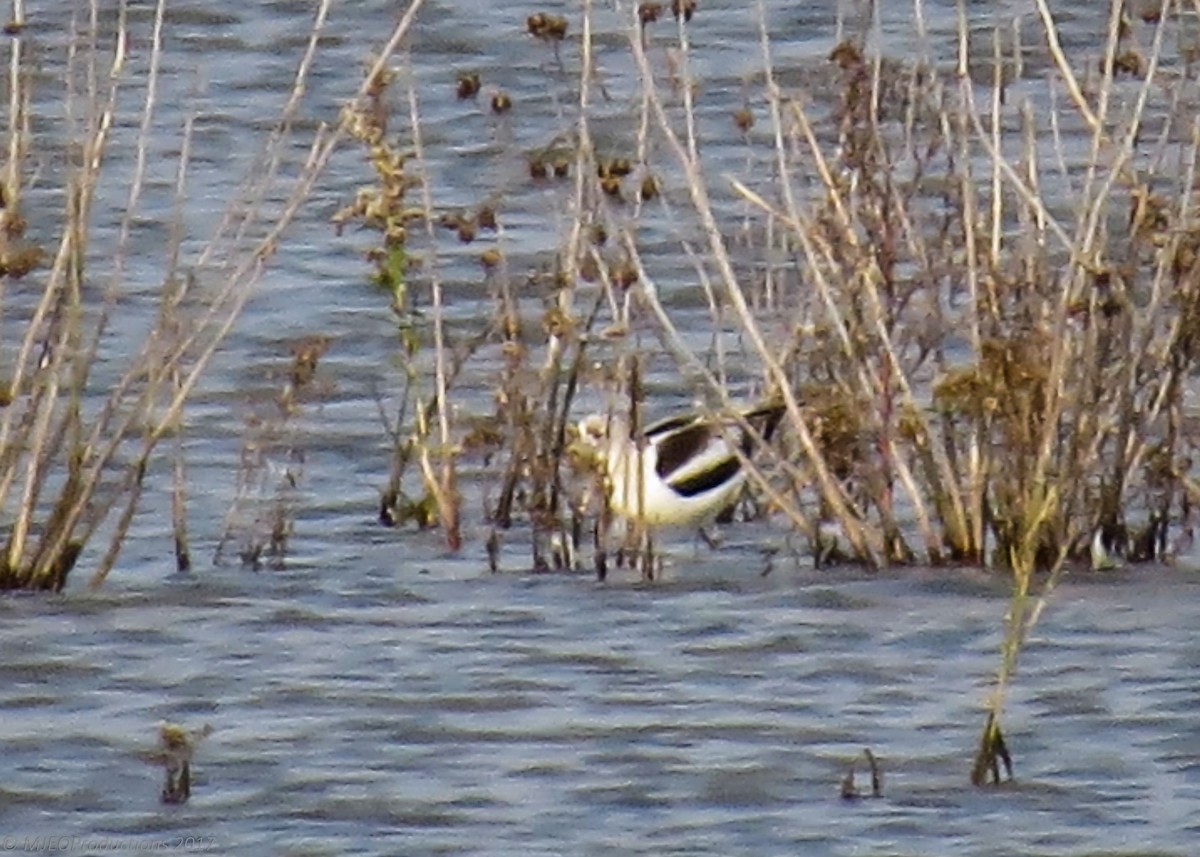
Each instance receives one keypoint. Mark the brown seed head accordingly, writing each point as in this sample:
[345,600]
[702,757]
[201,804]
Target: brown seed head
[623,275]
[846,55]
[557,323]
[1130,63]
[683,9]
[1152,11]
[550,28]
[18,260]
[589,268]
[556,28]
[468,85]
[648,13]
[490,259]
[619,167]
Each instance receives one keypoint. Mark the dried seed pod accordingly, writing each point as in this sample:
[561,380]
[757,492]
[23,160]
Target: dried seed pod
[490,259]
[589,268]
[1152,11]
[846,55]
[556,28]
[468,85]
[648,13]
[20,258]
[623,275]
[551,28]
[618,167]
[683,9]
[1130,63]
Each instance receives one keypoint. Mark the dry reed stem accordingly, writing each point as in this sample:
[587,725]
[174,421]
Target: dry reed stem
[1060,60]
[440,483]
[18,127]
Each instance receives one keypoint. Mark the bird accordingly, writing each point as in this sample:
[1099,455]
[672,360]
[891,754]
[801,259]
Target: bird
[683,470]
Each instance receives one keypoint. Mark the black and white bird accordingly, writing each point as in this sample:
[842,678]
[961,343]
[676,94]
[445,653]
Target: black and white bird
[682,471]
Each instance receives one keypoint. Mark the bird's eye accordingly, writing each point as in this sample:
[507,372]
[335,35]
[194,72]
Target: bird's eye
[591,430]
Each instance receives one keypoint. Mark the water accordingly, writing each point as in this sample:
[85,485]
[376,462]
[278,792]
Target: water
[376,695]
[364,710]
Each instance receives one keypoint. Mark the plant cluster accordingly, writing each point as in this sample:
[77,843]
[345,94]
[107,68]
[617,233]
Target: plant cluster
[87,397]
[983,329]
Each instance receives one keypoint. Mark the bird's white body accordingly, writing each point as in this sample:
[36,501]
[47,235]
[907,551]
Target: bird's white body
[682,471]
[639,492]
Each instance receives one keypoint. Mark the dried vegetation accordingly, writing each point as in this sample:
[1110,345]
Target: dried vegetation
[975,282]
[87,397]
[976,287]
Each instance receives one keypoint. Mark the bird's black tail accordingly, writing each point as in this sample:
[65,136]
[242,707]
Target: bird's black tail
[764,419]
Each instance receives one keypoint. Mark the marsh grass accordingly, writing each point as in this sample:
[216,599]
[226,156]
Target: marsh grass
[947,313]
[77,441]
[981,317]
[981,306]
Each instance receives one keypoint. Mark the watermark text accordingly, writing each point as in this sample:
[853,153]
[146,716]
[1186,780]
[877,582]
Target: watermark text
[103,844]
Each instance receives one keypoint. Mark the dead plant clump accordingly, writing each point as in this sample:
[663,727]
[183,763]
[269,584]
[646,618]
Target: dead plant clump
[986,346]
[974,378]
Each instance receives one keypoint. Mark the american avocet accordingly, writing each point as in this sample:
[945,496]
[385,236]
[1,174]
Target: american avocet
[682,471]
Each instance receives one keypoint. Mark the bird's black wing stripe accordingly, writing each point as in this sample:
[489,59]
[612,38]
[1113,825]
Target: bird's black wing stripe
[679,440]
[675,449]
[707,480]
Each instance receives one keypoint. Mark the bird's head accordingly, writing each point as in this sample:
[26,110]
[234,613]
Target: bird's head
[593,431]
[589,449]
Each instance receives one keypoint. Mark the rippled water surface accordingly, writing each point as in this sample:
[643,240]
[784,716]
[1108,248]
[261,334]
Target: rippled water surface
[363,709]
[376,695]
